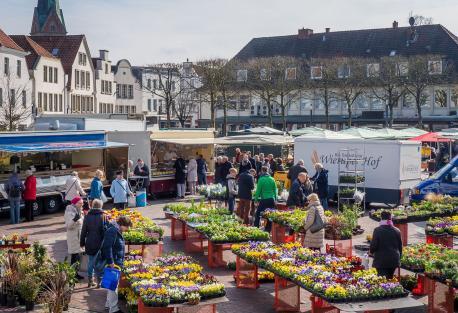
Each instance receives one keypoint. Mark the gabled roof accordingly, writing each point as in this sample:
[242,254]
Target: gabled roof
[7,42]
[34,49]
[369,43]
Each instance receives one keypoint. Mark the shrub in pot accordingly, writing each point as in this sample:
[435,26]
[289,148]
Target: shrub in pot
[29,288]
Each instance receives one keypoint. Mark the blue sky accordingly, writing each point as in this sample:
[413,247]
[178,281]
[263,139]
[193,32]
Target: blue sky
[154,31]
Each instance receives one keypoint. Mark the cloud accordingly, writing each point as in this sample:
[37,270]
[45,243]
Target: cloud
[154,31]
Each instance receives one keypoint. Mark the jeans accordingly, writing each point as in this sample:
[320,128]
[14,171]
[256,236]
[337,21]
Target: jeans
[264,204]
[112,301]
[15,210]
[231,203]
[181,190]
[90,266]
[324,203]
[202,178]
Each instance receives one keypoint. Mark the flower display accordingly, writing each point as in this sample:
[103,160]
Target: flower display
[231,231]
[335,279]
[293,219]
[442,225]
[183,210]
[171,279]
[212,191]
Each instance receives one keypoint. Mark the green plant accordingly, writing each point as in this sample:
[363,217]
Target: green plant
[351,179]
[29,287]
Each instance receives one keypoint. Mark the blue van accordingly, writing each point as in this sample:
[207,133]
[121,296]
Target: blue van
[444,181]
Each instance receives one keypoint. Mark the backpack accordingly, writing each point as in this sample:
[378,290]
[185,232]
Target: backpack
[15,191]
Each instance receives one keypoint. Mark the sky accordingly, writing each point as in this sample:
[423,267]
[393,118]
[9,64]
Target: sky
[156,31]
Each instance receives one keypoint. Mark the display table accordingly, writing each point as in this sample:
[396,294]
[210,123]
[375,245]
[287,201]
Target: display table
[281,234]
[194,241]
[404,229]
[246,274]
[378,306]
[207,306]
[147,250]
[178,228]
[445,240]
[441,296]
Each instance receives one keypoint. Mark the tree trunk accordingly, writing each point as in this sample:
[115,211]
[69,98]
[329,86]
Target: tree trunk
[212,108]
[168,117]
[420,117]
[391,116]
[349,108]
[224,128]
[269,111]
[283,112]
[326,107]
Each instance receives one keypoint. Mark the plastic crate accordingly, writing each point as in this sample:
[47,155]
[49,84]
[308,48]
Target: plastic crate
[145,309]
[287,296]
[194,241]
[421,287]
[404,228]
[178,229]
[215,254]
[321,306]
[445,240]
[280,234]
[246,274]
[341,248]
[441,297]
[208,308]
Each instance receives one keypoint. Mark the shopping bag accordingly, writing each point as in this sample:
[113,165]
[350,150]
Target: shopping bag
[131,202]
[110,278]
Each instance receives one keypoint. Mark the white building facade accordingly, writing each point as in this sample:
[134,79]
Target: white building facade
[105,84]
[129,95]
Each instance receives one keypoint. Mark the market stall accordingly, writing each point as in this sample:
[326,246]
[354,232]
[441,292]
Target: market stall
[167,145]
[53,156]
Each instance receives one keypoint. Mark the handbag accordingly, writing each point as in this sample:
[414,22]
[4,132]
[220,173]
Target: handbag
[318,223]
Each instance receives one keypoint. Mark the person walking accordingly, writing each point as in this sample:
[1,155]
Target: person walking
[218,162]
[91,238]
[299,191]
[142,170]
[225,168]
[120,191]
[180,177]
[202,170]
[29,194]
[232,190]
[386,246]
[294,170]
[266,194]
[96,188]
[320,184]
[258,164]
[315,210]
[251,159]
[245,188]
[112,254]
[192,176]
[14,189]
[245,164]
[73,218]
[73,188]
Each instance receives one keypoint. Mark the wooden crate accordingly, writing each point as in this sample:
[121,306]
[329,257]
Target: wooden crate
[246,274]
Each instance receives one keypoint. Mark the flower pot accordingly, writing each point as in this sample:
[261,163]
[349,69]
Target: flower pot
[3,299]
[11,301]
[29,306]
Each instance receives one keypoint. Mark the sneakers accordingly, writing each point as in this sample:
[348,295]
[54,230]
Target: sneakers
[90,282]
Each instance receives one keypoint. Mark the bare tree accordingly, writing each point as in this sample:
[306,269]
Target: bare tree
[228,88]
[387,82]
[350,84]
[167,86]
[14,110]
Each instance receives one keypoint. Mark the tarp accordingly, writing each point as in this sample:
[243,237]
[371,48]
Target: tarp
[390,134]
[327,134]
[260,130]
[306,130]
[362,133]
[60,146]
[430,137]
[451,133]
[188,141]
[255,140]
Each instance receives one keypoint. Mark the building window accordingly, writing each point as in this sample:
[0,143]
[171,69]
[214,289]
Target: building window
[172,88]
[77,79]
[124,91]
[45,102]
[362,103]
[343,71]
[88,80]
[155,105]
[50,74]
[106,69]
[290,73]
[50,103]
[402,69]
[40,103]
[83,80]
[244,102]
[149,105]
[45,74]
[56,103]
[305,103]
[435,67]
[7,66]
[155,83]
[24,98]
[252,109]
[377,104]
[110,90]
[148,84]
[131,92]
[55,75]
[440,98]
[19,68]
[242,75]
[408,101]
[264,74]
[61,108]
[1,97]
[373,70]
[316,72]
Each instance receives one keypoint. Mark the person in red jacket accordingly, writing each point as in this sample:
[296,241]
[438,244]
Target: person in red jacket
[29,194]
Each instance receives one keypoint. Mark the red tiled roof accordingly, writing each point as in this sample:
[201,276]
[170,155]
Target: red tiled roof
[67,46]
[26,43]
[6,41]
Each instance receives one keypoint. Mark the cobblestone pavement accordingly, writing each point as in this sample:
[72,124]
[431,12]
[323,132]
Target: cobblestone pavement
[49,230]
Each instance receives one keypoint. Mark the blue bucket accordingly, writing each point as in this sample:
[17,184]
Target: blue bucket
[110,278]
[141,199]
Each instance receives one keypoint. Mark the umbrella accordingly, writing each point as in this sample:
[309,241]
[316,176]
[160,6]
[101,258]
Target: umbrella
[430,137]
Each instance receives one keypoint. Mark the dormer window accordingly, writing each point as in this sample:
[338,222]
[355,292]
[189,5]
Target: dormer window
[343,71]
[290,73]
[316,72]
[242,75]
[435,67]
[373,70]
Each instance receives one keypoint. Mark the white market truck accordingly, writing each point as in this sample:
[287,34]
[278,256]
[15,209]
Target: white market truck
[391,167]
[53,156]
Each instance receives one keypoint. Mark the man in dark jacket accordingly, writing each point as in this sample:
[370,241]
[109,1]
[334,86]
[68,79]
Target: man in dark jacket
[225,168]
[320,184]
[201,170]
[299,191]
[245,165]
[92,237]
[142,170]
[386,247]
[295,170]
[180,177]
[218,162]
[251,159]
[246,186]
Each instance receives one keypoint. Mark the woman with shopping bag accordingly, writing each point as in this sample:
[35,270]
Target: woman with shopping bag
[111,254]
[314,223]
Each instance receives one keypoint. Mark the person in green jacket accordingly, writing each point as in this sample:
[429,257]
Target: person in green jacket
[266,195]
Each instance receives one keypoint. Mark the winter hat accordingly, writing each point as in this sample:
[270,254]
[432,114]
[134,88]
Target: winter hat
[76,200]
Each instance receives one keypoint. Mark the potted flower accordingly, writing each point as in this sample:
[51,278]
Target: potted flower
[29,288]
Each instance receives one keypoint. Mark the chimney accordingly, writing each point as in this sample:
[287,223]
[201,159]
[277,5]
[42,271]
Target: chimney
[104,55]
[395,24]
[304,33]
[328,30]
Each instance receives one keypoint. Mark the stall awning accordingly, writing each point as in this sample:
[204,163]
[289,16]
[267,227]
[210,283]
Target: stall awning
[60,146]
[256,140]
[195,141]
